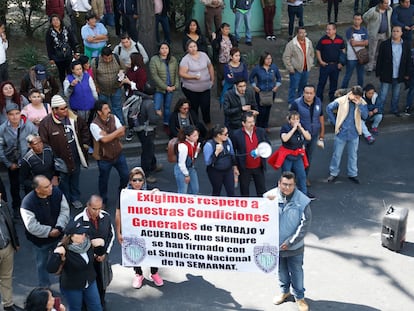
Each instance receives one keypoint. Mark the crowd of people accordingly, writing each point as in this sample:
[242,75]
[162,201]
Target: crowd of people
[103,96]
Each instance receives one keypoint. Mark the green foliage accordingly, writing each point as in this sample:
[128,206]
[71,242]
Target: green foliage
[31,16]
[29,56]
[251,58]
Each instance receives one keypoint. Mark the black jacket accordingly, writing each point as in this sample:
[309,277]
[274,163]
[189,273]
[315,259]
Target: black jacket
[5,213]
[384,62]
[76,272]
[233,109]
[239,145]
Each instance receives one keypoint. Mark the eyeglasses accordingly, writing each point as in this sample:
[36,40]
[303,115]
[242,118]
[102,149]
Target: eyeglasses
[288,185]
[138,180]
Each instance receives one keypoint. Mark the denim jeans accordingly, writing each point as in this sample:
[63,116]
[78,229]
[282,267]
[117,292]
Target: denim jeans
[69,184]
[365,131]
[89,296]
[42,255]
[192,187]
[246,19]
[376,120]
[115,101]
[295,10]
[108,19]
[105,167]
[330,71]
[350,66]
[291,273]
[339,145]
[297,82]
[164,100]
[297,167]
[165,25]
[384,88]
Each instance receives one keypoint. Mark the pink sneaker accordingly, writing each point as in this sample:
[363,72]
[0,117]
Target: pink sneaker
[157,279]
[137,281]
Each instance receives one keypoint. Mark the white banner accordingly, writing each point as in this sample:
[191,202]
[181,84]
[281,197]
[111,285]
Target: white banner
[164,229]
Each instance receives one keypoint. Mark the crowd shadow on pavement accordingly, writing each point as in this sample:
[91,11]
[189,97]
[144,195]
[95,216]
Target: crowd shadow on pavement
[408,249]
[322,305]
[366,263]
[195,293]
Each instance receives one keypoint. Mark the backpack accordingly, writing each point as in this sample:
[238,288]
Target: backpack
[172,150]
[116,58]
[132,110]
[136,47]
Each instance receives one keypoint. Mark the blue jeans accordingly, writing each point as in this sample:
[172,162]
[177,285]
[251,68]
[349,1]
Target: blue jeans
[163,20]
[298,80]
[105,167]
[246,19]
[69,184]
[297,167]
[384,88]
[89,295]
[410,94]
[164,100]
[291,273]
[293,11]
[42,256]
[339,145]
[192,187]
[108,19]
[330,71]
[115,101]
[350,66]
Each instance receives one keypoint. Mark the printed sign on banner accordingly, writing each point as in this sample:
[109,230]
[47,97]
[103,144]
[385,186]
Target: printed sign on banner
[163,229]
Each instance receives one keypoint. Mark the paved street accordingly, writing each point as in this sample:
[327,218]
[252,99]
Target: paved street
[345,266]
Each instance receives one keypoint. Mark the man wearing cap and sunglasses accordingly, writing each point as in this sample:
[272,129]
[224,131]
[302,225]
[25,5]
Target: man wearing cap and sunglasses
[68,136]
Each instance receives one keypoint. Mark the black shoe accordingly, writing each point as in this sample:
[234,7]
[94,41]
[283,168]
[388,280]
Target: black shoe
[332,178]
[130,135]
[311,196]
[12,308]
[354,180]
[407,111]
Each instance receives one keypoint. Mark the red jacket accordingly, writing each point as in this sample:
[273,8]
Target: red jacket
[278,157]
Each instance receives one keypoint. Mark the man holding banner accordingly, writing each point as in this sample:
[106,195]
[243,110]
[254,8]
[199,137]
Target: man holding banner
[294,220]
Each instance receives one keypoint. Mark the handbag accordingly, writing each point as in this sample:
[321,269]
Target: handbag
[362,56]
[106,272]
[266,98]
[60,165]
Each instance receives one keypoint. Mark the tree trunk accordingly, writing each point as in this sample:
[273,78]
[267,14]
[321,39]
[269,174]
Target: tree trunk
[3,10]
[146,26]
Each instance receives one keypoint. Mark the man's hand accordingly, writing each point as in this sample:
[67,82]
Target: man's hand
[54,233]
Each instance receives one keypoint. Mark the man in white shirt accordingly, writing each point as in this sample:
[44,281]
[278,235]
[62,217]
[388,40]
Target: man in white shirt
[4,44]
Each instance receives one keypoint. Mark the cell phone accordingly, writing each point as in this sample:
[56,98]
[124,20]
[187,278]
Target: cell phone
[57,303]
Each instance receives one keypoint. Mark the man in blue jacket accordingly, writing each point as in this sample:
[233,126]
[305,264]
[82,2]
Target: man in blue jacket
[294,220]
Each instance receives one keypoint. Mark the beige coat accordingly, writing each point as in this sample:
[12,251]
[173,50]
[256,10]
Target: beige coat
[293,56]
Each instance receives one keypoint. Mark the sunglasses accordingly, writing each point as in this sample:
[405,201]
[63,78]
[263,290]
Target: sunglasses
[138,180]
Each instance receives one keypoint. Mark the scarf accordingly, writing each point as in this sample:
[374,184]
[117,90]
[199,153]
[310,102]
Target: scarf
[80,248]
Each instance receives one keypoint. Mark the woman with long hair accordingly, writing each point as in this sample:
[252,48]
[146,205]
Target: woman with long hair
[137,181]
[41,299]
[37,109]
[60,45]
[183,116]
[220,160]
[9,94]
[192,32]
[265,78]
[187,150]
[164,73]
